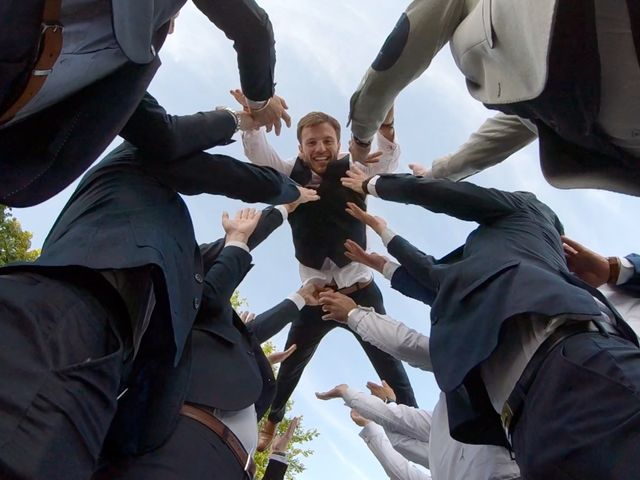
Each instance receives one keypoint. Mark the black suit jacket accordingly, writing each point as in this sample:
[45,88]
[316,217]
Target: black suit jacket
[47,151]
[275,470]
[127,214]
[512,264]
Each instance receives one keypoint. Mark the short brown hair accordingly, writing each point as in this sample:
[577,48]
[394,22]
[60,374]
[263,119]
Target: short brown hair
[312,119]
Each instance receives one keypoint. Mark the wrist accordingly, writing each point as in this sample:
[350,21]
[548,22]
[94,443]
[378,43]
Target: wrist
[256,107]
[234,115]
[614,270]
[236,237]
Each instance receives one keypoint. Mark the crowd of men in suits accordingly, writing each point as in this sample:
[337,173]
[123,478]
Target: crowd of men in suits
[120,352]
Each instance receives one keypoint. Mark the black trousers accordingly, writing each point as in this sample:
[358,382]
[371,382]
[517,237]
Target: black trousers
[61,365]
[308,331]
[581,417]
[193,452]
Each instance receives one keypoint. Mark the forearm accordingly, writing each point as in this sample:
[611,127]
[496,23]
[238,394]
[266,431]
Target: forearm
[395,465]
[272,321]
[249,27]
[497,138]
[420,33]
[224,276]
[392,337]
[409,421]
[258,150]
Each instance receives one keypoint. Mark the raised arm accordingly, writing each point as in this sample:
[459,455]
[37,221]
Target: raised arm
[496,139]
[419,34]
[258,150]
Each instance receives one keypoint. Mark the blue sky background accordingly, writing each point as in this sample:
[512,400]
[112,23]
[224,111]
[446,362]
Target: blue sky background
[323,49]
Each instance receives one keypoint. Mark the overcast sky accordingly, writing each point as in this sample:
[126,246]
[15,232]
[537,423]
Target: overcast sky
[323,49]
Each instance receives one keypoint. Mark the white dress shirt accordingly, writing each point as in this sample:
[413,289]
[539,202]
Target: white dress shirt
[448,459]
[260,152]
[394,464]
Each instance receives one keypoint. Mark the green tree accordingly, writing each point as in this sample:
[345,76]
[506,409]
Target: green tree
[15,243]
[297,449]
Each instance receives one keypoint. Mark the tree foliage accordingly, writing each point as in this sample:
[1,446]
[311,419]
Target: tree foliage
[297,448]
[15,243]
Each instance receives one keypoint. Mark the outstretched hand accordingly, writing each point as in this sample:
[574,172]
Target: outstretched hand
[378,224]
[281,442]
[306,195]
[586,264]
[420,170]
[336,305]
[383,392]
[356,253]
[354,179]
[240,227]
[270,116]
[279,357]
[336,392]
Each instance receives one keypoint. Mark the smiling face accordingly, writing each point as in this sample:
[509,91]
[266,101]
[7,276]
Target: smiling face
[319,145]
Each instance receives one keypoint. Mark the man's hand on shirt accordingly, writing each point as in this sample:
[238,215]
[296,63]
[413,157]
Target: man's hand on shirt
[420,170]
[278,357]
[384,392]
[356,253]
[336,305]
[306,195]
[355,179]
[586,264]
[378,224]
[336,392]
[311,294]
[240,228]
[359,419]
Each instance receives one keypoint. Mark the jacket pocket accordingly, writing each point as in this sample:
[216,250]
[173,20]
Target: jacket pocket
[487,277]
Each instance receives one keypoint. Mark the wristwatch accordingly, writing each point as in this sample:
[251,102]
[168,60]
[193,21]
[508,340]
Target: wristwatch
[236,119]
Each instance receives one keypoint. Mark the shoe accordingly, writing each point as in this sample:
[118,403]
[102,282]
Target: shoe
[265,437]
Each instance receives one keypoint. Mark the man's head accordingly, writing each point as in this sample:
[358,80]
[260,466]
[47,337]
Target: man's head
[319,140]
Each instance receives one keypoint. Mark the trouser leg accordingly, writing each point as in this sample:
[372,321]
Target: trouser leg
[581,416]
[306,333]
[61,362]
[387,367]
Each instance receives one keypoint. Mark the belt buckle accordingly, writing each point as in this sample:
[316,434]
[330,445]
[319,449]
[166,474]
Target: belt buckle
[505,418]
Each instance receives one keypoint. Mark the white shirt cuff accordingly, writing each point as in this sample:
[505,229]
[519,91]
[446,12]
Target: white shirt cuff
[387,236]
[389,269]
[355,316]
[279,458]
[371,430]
[371,186]
[296,298]
[626,271]
[283,210]
[242,245]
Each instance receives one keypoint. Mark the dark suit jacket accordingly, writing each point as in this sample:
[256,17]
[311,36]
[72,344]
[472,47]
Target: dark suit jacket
[125,214]
[512,264]
[275,470]
[47,151]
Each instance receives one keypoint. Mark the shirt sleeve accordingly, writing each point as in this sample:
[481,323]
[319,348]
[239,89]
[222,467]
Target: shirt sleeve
[627,271]
[394,464]
[241,245]
[409,421]
[391,336]
[389,159]
[389,269]
[258,150]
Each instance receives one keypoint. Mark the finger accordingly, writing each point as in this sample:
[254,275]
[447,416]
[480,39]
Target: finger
[287,118]
[225,217]
[572,243]
[328,316]
[385,384]
[569,251]
[278,126]
[269,127]
[284,103]
[323,395]
[373,385]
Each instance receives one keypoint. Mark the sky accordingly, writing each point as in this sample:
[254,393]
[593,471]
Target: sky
[323,49]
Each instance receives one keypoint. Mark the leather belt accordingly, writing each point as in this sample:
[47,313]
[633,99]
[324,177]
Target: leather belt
[353,288]
[513,405]
[50,46]
[226,435]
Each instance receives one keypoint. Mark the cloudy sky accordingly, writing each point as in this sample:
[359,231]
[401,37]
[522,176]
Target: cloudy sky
[323,49]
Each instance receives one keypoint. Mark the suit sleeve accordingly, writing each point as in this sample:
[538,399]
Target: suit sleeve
[462,200]
[223,278]
[632,286]
[275,470]
[421,268]
[422,30]
[161,137]
[270,219]
[249,27]
[496,139]
[270,322]
[406,284]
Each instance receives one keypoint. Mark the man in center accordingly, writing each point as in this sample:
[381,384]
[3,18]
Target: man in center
[319,233]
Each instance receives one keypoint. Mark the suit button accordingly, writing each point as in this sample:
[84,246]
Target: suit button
[196,303]
[198,277]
